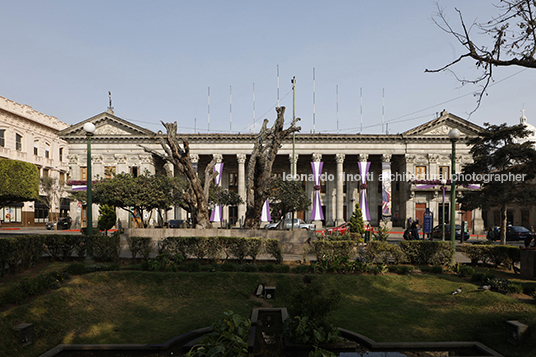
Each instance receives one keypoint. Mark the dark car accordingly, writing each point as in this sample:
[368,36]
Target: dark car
[518,233]
[177,223]
[437,232]
[63,223]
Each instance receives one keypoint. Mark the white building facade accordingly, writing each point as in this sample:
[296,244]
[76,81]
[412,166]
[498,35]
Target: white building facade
[30,136]
[387,191]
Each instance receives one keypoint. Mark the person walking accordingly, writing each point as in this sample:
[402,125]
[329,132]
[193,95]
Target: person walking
[409,223]
[415,229]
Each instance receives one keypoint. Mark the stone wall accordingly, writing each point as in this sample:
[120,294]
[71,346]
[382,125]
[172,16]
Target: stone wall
[292,242]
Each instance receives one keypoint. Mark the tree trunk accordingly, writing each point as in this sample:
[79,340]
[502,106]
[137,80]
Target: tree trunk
[259,171]
[179,155]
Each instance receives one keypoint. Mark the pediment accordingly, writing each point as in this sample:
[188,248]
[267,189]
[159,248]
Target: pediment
[106,125]
[441,126]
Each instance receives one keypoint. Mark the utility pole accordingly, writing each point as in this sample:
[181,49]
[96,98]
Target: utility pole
[293,81]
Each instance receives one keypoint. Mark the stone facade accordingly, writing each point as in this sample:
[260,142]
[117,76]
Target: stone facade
[30,136]
[422,151]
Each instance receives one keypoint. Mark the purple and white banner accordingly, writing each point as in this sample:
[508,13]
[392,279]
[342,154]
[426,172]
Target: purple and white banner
[216,215]
[363,204]
[79,187]
[317,214]
[265,216]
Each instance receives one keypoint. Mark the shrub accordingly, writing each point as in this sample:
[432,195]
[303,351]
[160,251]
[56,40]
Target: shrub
[383,252]
[273,247]
[227,266]
[165,262]
[506,255]
[240,248]
[427,252]
[214,248]
[174,246]
[399,269]
[476,252]
[303,269]
[192,266]
[254,247]
[140,245]
[465,271]
[249,268]
[436,269]
[282,269]
[106,248]
[76,269]
[267,268]
[514,288]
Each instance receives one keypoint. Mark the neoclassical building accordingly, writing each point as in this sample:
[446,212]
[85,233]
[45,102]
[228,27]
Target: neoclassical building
[30,136]
[340,169]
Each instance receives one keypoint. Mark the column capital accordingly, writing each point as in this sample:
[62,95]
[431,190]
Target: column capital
[296,156]
[433,158]
[317,157]
[121,158]
[363,157]
[219,157]
[410,158]
[194,158]
[340,158]
[241,158]
[386,157]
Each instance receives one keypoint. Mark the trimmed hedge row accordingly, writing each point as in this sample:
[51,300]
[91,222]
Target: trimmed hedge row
[22,252]
[413,252]
[496,255]
[212,248]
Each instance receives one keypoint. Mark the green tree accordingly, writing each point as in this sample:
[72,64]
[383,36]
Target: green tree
[357,225]
[505,166]
[107,218]
[288,196]
[19,182]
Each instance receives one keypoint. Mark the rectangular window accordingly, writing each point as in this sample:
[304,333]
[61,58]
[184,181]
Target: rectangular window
[109,172]
[47,152]
[134,171]
[83,173]
[2,138]
[62,178]
[18,142]
[444,172]
[233,182]
[11,214]
[420,172]
[36,150]
[61,154]
[45,172]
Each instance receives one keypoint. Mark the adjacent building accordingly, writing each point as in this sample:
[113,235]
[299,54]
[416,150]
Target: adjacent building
[30,136]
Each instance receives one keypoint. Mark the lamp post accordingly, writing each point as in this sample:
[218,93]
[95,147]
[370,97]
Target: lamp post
[443,183]
[454,135]
[89,128]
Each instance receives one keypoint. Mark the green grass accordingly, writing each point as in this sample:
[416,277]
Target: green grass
[144,307]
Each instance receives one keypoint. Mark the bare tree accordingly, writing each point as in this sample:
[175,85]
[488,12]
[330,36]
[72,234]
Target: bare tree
[259,170]
[196,195]
[53,189]
[508,39]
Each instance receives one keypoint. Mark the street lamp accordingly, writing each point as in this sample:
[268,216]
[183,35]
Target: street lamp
[89,128]
[454,135]
[443,183]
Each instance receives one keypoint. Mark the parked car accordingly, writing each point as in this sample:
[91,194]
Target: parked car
[438,233]
[177,223]
[341,229]
[298,224]
[518,233]
[64,223]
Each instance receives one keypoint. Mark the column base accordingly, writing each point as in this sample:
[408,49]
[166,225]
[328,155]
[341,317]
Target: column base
[318,224]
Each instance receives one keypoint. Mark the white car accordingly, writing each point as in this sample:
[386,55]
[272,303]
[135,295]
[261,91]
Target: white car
[298,224]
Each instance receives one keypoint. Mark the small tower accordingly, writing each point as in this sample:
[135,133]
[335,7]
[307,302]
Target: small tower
[523,119]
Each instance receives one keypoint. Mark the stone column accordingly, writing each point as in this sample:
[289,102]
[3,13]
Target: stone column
[363,158]
[169,214]
[241,187]
[317,158]
[194,159]
[410,201]
[387,194]
[340,191]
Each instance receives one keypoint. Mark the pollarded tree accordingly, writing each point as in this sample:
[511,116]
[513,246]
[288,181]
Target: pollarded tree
[288,196]
[196,194]
[509,39]
[505,166]
[259,171]
[19,182]
[53,190]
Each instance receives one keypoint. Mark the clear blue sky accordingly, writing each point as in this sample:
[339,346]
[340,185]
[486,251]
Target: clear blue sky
[158,58]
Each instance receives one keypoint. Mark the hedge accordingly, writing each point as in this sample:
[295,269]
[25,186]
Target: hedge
[427,252]
[497,255]
[326,249]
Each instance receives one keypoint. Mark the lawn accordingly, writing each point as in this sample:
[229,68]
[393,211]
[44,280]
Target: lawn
[148,307]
